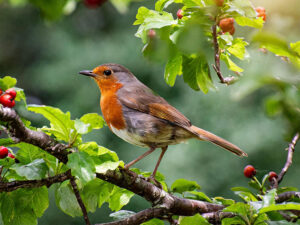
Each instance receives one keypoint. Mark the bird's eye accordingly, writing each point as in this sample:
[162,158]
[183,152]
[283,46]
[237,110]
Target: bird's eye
[107,72]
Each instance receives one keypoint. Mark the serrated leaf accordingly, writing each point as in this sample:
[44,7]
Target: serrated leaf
[7,162]
[7,82]
[106,190]
[28,153]
[244,193]
[161,4]
[105,166]
[37,169]
[82,166]
[250,22]
[6,141]
[182,185]
[288,206]
[238,48]
[223,201]
[119,197]
[150,19]
[20,95]
[93,120]
[200,196]
[196,73]
[173,68]
[239,208]
[40,200]
[242,8]
[196,219]
[66,200]
[121,215]
[230,64]
[232,221]
[61,125]
[154,222]
[269,198]
[261,219]
[91,193]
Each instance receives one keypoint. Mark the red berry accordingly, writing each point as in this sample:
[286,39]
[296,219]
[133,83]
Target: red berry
[7,100]
[11,156]
[249,171]
[179,13]
[93,3]
[151,33]
[272,175]
[227,25]
[219,2]
[11,92]
[261,12]
[3,152]
[1,91]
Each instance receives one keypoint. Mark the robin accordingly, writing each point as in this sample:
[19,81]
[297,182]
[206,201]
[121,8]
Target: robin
[136,114]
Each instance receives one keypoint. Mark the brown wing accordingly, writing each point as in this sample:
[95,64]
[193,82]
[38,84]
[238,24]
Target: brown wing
[139,97]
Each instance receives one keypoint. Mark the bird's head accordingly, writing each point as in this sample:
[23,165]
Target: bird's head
[108,75]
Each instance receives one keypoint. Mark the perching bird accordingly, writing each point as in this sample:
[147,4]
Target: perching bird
[134,113]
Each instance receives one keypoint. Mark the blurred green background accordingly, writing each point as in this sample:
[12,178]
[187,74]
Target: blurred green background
[46,56]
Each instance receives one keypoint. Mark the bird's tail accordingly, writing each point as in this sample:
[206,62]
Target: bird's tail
[207,136]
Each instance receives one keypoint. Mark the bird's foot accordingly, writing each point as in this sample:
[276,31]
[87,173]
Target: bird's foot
[152,180]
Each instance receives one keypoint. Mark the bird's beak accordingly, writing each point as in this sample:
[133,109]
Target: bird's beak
[88,73]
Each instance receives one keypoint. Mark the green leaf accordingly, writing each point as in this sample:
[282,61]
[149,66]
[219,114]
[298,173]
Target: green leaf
[106,190]
[119,197]
[32,171]
[28,153]
[62,126]
[273,105]
[91,193]
[93,149]
[281,222]
[7,162]
[196,219]
[121,215]
[52,10]
[261,219]
[244,193]
[66,200]
[200,196]
[154,222]
[105,166]
[182,185]
[296,47]
[161,4]
[7,82]
[269,198]
[196,73]
[230,64]
[173,68]
[6,141]
[250,22]
[232,221]
[285,189]
[223,201]
[238,48]
[93,120]
[288,206]
[242,8]
[82,166]
[40,200]
[239,208]
[150,19]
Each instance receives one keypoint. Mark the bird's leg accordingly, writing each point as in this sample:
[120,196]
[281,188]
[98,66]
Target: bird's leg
[163,150]
[139,158]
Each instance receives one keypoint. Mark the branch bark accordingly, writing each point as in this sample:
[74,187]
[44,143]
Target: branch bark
[14,185]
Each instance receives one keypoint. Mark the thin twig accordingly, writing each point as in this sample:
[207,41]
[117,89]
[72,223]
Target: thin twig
[289,159]
[287,196]
[217,66]
[79,199]
[14,185]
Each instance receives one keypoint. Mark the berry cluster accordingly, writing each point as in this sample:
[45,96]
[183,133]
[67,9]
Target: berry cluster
[4,153]
[7,99]
[250,171]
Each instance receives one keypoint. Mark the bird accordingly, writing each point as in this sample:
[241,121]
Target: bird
[141,117]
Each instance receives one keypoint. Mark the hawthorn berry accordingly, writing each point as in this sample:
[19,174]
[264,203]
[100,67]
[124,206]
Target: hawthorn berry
[11,155]
[11,92]
[151,33]
[249,171]
[7,100]
[93,3]
[3,152]
[179,14]
[261,12]
[219,2]
[272,175]
[1,91]
[227,25]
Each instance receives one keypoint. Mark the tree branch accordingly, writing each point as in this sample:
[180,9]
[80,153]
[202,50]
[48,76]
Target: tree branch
[287,196]
[289,159]
[140,217]
[79,199]
[19,132]
[14,185]
[217,67]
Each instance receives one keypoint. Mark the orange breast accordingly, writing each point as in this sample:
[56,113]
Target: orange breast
[110,106]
